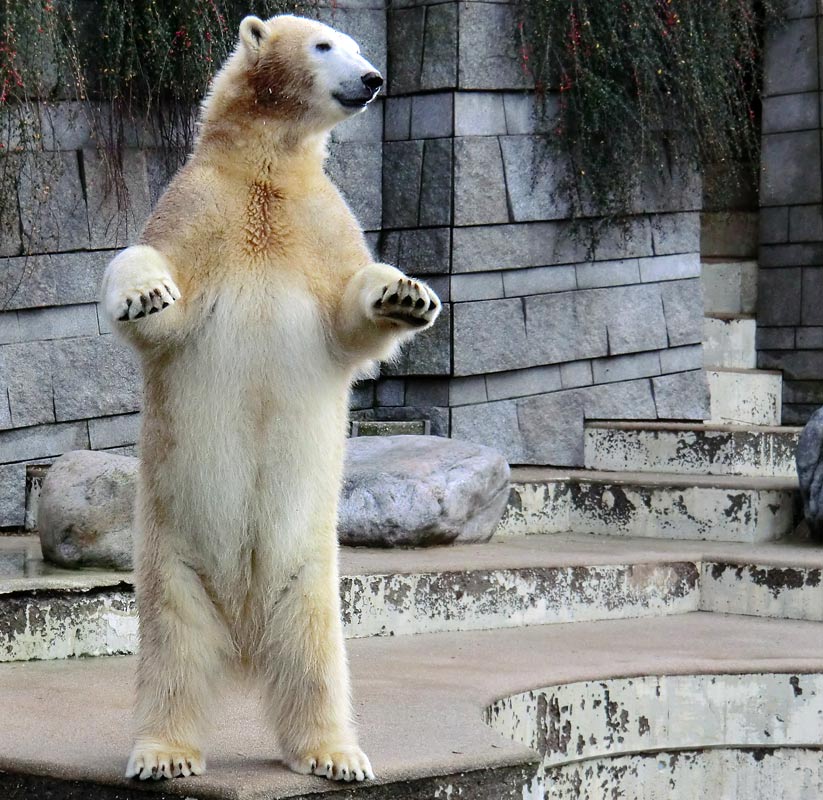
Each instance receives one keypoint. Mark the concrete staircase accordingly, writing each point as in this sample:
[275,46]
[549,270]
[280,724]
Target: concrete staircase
[644,627]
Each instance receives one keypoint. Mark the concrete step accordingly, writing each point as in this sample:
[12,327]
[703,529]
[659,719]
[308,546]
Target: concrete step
[745,396]
[691,448]
[658,505]
[511,582]
[420,702]
[729,286]
[729,341]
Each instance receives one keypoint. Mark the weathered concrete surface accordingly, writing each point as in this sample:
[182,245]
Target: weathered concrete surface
[86,509]
[717,508]
[420,490]
[729,287]
[745,396]
[687,448]
[68,724]
[729,342]
[754,773]
[809,459]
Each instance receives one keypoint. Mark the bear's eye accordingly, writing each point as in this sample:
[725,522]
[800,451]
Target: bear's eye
[323,47]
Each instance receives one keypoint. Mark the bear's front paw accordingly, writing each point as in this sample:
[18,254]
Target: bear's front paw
[141,299]
[338,764]
[152,759]
[405,302]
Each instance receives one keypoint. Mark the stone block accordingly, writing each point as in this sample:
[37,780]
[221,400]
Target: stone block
[26,382]
[12,495]
[791,255]
[436,183]
[362,395]
[525,114]
[812,308]
[539,280]
[551,428]
[437,417]
[118,431]
[356,168]
[625,368]
[390,392]
[792,9]
[406,30]
[632,315]
[489,55]
[536,178]
[479,182]
[366,127]
[397,119]
[52,205]
[778,297]
[676,233]
[58,322]
[805,223]
[11,243]
[421,392]
[490,336]
[810,392]
[67,124]
[775,338]
[523,382]
[535,244]
[626,238]
[432,115]
[790,61]
[438,69]
[50,280]
[476,286]
[809,338]
[623,400]
[576,373]
[791,112]
[607,273]
[94,376]
[804,365]
[670,268]
[479,114]
[774,225]
[681,359]
[668,187]
[465,391]
[684,395]
[9,328]
[420,251]
[428,353]
[367,26]
[402,173]
[683,306]
[790,168]
[732,234]
[43,441]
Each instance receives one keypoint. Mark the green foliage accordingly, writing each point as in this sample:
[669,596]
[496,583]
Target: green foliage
[631,85]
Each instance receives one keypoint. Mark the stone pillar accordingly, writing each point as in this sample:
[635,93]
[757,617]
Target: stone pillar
[790,277]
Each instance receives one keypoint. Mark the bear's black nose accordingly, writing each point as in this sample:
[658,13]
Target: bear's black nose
[372,80]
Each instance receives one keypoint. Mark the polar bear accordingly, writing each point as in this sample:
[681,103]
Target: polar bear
[253,302]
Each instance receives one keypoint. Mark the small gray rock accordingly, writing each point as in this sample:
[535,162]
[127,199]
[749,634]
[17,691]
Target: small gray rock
[86,510]
[809,458]
[420,490]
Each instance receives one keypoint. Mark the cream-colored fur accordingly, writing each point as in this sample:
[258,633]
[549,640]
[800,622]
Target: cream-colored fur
[253,302]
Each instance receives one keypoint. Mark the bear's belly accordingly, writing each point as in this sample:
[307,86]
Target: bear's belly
[256,409]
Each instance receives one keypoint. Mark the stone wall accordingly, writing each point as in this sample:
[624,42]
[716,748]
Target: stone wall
[790,290]
[541,328]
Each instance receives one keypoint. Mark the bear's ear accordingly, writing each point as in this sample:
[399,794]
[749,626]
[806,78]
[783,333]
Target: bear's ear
[252,33]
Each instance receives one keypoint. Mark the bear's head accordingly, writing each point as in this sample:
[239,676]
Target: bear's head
[294,70]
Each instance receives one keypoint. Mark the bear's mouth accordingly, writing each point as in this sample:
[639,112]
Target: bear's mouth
[353,102]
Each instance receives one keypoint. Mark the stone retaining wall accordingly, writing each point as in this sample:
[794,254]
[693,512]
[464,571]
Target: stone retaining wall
[451,177]
[790,292]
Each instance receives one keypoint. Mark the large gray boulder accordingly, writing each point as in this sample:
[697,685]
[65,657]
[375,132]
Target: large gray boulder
[420,490]
[809,458]
[86,510]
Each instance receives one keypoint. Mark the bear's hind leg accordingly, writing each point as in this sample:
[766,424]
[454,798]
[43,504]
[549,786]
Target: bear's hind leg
[302,662]
[184,647]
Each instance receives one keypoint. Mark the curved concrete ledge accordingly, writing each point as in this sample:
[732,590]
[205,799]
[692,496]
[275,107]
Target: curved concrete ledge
[580,730]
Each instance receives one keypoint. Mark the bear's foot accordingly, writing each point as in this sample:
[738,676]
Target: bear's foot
[408,302]
[153,759]
[148,297]
[338,764]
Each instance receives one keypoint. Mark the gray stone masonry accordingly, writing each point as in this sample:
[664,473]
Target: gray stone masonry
[790,280]
[545,323]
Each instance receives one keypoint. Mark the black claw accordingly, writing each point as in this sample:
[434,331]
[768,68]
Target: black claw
[153,310]
[394,297]
[420,303]
[139,314]
[165,304]
[378,303]
[407,301]
[124,317]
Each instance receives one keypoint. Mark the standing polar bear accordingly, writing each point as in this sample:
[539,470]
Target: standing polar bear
[267,305]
